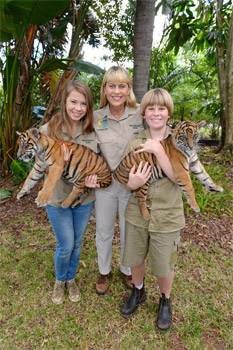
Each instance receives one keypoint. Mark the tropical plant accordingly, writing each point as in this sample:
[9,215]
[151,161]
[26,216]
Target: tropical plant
[33,47]
[208,25]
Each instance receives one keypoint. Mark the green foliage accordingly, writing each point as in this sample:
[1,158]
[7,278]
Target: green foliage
[20,170]
[16,15]
[94,82]
[116,24]
[196,23]
[4,193]
[87,67]
[191,81]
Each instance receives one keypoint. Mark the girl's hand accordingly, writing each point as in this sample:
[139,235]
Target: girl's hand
[66,152]
[151,146]
[91,181]
[139,177]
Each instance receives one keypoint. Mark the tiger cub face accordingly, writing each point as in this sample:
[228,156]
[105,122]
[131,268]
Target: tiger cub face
[28,147]
[186,136]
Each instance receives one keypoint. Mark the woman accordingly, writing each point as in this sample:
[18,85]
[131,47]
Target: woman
[73,123]
[116,122]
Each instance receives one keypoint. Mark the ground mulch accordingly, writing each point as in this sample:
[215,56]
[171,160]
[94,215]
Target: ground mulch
[200,230]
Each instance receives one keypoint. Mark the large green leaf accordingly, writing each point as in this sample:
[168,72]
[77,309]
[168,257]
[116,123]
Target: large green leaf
[17,15]
[87,67]
[52,64]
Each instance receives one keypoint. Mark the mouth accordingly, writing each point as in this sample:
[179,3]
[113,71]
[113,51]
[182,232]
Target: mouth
[156,118]
[116,98]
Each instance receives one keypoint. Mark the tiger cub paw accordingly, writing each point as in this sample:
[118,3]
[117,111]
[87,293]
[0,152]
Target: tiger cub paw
[217,188]
[65,204]
[42,198]
[196,209]
[20,194]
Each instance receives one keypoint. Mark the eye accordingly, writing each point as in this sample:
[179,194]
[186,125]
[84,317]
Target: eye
[122,86]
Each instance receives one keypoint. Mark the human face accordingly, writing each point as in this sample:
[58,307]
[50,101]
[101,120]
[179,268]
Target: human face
[116,93]
[76,106]
[156,116]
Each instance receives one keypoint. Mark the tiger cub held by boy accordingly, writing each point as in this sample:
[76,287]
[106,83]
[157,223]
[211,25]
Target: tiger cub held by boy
[48,154]
[181,148]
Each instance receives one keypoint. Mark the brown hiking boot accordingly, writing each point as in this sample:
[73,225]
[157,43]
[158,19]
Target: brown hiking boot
[58,292]
[127,279]
[73,291]
[102,284]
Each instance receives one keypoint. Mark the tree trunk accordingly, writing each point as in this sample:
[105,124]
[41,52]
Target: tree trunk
[225,78]
[142,44]
[229,69]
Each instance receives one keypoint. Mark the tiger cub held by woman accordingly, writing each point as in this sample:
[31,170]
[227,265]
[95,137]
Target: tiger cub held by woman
[181,148]
[48,153]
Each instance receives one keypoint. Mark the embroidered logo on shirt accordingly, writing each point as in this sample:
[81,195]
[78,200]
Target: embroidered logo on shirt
[102,122]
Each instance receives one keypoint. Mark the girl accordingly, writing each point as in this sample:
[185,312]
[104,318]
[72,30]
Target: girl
[73,123]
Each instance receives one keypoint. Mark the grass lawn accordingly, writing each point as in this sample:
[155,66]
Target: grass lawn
[202,293]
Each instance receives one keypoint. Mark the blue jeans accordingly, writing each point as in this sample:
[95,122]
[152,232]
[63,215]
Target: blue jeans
[69,225]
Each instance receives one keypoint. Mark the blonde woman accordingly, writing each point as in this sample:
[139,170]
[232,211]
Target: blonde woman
[116,122]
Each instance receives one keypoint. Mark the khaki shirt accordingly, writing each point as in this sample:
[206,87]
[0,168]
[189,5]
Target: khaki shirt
[63,188]
[114,134]
[164,199]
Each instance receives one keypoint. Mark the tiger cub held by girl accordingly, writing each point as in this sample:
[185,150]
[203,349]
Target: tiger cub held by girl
[48,154]
[181,148]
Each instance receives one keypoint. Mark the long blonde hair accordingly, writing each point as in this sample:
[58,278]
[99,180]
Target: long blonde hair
[117,74]
[61,119]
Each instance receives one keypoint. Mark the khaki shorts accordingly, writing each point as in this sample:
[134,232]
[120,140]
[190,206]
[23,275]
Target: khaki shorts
[161,248]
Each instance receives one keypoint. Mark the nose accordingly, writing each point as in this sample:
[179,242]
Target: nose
[78,107]
[157,111]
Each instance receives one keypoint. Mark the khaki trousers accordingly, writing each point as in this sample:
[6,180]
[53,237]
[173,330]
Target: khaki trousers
[110,201]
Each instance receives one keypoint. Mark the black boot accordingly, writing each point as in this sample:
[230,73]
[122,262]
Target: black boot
[137,297]
[164,318]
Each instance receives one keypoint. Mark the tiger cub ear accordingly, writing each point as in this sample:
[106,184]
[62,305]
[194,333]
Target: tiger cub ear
[173,124]
[18,133]
[35,132]
[201,123]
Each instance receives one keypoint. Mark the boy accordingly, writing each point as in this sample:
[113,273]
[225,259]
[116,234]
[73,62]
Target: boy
[159,237]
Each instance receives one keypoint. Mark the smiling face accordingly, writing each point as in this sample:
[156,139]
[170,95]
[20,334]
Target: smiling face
[116,93]
[156,116]
[76,106]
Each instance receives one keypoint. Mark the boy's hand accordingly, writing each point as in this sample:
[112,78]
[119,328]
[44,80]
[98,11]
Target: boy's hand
[139,177]
[151,146]
[91,181]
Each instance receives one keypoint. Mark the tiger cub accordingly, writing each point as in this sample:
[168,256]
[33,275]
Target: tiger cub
[48,154]
[180,147]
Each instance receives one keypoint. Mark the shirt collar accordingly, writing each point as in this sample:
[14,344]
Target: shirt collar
[124,116]
[67,135]
[146,133]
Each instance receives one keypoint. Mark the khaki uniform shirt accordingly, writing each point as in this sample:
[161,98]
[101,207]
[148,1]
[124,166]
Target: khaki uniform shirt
[63,188]
[114,134]
[164,200]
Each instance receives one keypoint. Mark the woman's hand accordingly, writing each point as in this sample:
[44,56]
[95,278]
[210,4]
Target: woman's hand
[151,146]
[66,152]
[139,177]
[91,181]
